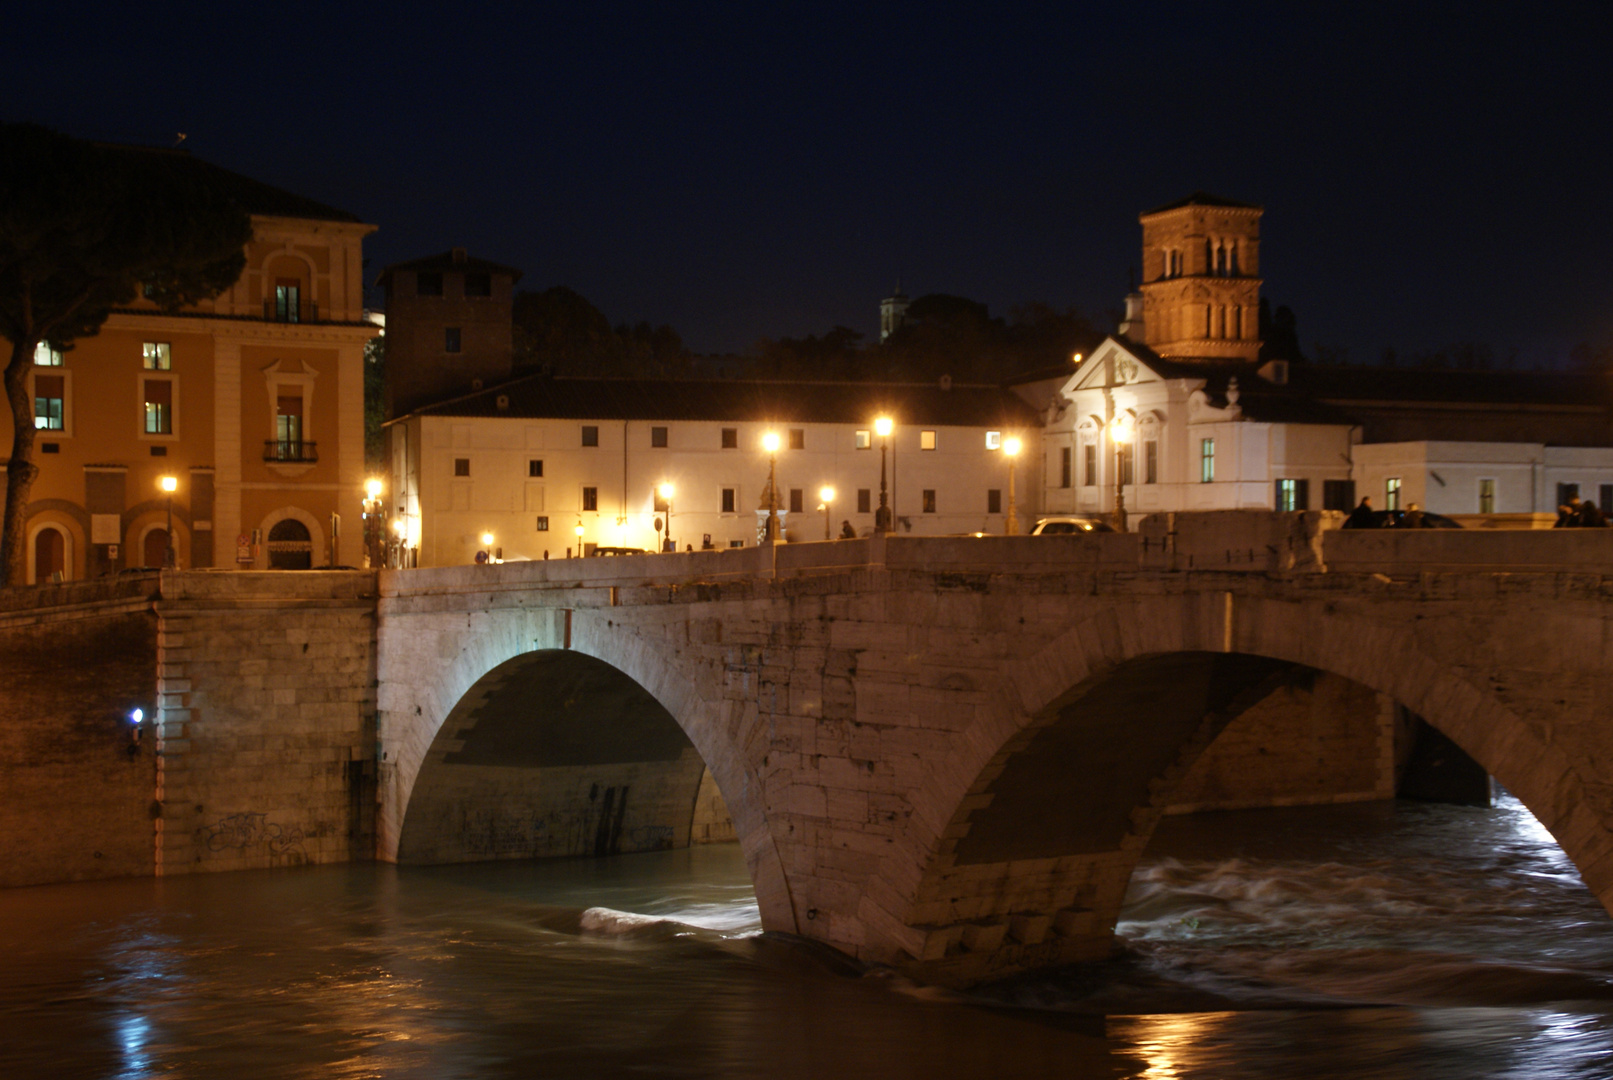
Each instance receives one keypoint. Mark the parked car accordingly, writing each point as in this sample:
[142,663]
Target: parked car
[1070,525]
[1396,519]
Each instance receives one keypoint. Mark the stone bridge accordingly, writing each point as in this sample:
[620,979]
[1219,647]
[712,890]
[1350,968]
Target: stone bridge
[941,753]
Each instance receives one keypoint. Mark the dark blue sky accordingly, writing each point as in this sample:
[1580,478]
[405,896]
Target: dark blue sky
[1428,177]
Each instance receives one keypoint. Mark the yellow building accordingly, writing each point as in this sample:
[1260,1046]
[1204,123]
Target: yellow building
[252,403]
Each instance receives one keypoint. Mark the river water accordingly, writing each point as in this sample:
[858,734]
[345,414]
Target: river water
[1403,941]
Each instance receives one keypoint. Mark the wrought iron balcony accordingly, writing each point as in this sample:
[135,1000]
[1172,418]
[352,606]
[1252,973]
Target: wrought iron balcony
[275,310]
[295,450]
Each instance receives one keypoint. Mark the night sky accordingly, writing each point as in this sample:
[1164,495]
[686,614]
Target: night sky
[770,170]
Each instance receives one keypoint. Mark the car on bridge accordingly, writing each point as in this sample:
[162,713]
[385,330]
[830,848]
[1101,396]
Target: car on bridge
[1071,524]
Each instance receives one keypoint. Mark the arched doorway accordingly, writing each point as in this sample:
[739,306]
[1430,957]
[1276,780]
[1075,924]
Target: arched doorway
[290,546]
[154,550]
[50,555]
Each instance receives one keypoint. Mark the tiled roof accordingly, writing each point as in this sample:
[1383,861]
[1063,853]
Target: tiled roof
[446,261]
[739,401]
[1202,198]
[253,196]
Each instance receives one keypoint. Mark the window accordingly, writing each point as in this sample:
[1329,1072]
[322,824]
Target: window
[287,300]
[797,438]
[1124,454]
[1487,495]
[1064,468]
[1606,494]
[1206,461]
[929,500]
[159,406]
[1566,492]
[534,467]
[45,356]
[994,501]
[288,425]
[462,466]
[658,436]
[865,500]
[1151,461]
[728,500]
[864,440]
[50,393]
[1338,495]
[590,499]
[428,284]
[1089,465]
[1391,493]
[590,434]
[736,543]
[1293,495]
[730,438]
[994,440]
[543,523]
[157,355]
[797,500]
[477,284]
[926,440]
[450,339]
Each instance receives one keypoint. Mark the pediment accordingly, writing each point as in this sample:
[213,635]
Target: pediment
[1111,364]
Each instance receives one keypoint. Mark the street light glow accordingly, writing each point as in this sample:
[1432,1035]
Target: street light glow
[1120,429]
[770,442]
[826,494]
[487,539]
[882,426]
[372,488]
[1011,445]
[666,491]
[170,484]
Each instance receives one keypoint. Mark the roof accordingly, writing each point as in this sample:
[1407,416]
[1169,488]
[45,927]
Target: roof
[1258,399]
[1407,386]
[1202,198]
[253,196]
[452,259]
[737,401]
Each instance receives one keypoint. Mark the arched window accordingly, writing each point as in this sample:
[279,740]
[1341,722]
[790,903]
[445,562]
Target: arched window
[50,555]
[290,546]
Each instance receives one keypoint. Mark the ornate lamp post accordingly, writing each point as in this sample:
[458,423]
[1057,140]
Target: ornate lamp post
[666,490]
[770,443]
[1121,434]
[372,521]
[882,519]
[827,495]
[579,531]
[1011,451]
[170,484]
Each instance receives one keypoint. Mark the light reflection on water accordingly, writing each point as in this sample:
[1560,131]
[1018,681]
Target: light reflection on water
[1348,942]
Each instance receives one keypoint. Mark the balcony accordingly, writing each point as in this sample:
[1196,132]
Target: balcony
[289,311]
[290,450]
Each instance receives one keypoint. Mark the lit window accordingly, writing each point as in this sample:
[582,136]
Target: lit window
[1206,461]
[157,355]
[543,523]
[994,440]
[288,425]
[287,300]
[590,499]
[159,406]
[1292,495]
[926,440]
[45,356]
[1487,496]
[50,394]
[1391,493]
[590,434]
[864,440]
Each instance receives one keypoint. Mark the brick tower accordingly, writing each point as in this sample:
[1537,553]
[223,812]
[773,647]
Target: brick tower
[1201,279]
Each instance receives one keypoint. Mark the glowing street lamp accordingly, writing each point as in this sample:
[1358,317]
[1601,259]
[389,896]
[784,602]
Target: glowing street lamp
[882,519]
[666,490]
[487,544]
[170,484]
[579,531]
[372,520]
[1011,451]
[770,443]
[827,495]
[1120,433]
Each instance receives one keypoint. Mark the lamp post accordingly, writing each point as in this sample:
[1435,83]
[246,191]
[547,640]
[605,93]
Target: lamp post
[487,545]
[666,490]
[170,484]
[579,531]
[372,520]
[827,494]
[770,443]
[1011,451]
[400,532]
[1120,433]
[882,519]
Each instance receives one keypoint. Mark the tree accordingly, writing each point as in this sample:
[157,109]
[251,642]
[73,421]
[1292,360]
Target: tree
[374,404]
[85,229]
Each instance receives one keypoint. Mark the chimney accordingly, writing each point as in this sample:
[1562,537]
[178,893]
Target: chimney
[458,255]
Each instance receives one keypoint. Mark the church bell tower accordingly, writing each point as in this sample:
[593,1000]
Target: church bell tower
[1201,279]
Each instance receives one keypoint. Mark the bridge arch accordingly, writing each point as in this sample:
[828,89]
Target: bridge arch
[965,871]
[455,689]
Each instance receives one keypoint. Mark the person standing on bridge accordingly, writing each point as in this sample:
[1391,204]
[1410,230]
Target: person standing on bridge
[1362,516]
[847,532]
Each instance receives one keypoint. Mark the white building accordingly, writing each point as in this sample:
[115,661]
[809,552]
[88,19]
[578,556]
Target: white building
[532,461]
[1468,479]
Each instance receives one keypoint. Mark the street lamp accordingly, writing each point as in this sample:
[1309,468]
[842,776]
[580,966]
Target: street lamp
[1011,450]
[770,443]
[1121,434]
[372,520]
[882,519]
[666,497]
[487,543]
[400,530]
[827,494]
[170,484]
[579,531]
